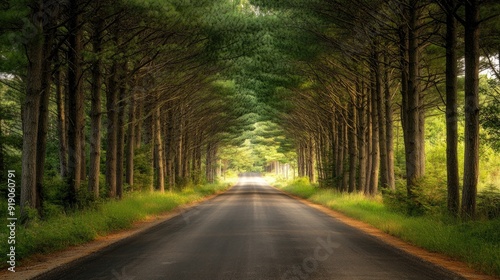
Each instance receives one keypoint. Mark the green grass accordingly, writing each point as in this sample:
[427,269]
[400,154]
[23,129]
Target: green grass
[65,230]
[476,242]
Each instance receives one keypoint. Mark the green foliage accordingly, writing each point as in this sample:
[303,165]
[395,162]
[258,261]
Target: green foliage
[429,198]
[301,187]
[488,202]
[490,112]
[143,171]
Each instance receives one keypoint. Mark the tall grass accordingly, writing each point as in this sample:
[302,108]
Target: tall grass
[63,230]
[475,242]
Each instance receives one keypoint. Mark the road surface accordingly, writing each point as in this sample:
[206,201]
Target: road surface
[251,232]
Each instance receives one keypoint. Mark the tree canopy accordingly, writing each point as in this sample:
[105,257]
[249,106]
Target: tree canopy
[115,96]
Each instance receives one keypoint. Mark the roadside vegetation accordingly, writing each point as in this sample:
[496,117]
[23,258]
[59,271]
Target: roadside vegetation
[475,242]
[60,230]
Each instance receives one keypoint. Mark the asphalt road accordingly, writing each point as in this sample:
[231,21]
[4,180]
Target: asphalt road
[251,232]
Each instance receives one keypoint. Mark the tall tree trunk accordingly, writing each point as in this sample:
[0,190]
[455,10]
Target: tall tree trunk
[353,147]
[340,154]
[180,146]
[112,129]
[453,182]
[30,114]
[301,160]
[369,140]
[76,101]
[345,169]
[382,128]
[412,107]
[139,118]
[120,133]
[471,158]
[389,127]
[334,147]
[361,133]
[61,120]
[130,148]
[43,120]
[95,113]
[170,149]
[160,171]
[310,161]
[375,151]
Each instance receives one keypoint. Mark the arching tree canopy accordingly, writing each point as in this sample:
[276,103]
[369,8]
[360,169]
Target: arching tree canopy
[116,96]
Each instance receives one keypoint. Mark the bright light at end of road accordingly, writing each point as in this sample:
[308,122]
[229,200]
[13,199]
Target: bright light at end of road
[252,178]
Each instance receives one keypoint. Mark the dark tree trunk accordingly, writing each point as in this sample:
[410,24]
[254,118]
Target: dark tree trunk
[169,147]
[361,133]
[339,151]
[31,113]
[76,102]
[160,171]
[120,133]
[95,113]
[353,147]
[382,128]
[471,158]
[369,139]
[61,121]
[375,151]
[130,148]
[412,113]
[112,129]
[139,117]
[389,139]
[43,120]
[451,108]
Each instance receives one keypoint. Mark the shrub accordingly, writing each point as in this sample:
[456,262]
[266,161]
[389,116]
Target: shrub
[488,203]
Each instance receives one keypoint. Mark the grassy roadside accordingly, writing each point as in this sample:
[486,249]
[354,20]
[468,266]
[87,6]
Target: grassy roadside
[65,230]
[476,243]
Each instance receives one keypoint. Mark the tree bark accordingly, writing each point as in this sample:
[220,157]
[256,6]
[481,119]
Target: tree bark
[61,121]
[369,140]
[43,120]
[389,127]
[382,122]
[95,113]
[130,148]
[375,151]
[76,102]
[471,158]
[120,133]
[160,171]
[412,113]
[112,128]
[361,133]
[353,148]
[30,115]
[453,183]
